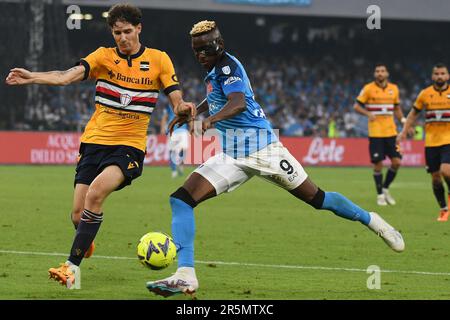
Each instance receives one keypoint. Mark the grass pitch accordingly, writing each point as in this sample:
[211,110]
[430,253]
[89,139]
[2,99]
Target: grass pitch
[257,242]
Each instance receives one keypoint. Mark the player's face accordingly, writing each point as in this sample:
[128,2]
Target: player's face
[440,76]
[381,73]
[126,36]
[204,47]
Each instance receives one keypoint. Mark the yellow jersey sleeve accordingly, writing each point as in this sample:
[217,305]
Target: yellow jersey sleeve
[363,96]
[168,76]
[92,63]
[420,101]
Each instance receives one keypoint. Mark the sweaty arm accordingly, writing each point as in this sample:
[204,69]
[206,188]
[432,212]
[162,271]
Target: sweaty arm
[20,76]
[235,105]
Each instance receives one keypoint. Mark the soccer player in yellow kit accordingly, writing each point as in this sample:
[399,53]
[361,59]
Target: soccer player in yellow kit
[435,100]
[379,101]
[113,145]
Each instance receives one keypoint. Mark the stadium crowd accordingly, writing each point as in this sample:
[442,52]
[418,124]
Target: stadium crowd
[306,74]
[300,97]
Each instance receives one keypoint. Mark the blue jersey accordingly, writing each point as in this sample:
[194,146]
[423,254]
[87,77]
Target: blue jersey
[170,116]
[248,131]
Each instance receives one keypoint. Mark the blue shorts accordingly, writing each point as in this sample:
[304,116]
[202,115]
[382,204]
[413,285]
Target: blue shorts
[93,158]
[435,156]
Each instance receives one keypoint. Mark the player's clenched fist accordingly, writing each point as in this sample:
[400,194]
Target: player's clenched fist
[185,109]
[18,76]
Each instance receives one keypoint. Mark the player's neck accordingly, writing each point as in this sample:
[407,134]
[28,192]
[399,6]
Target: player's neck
[440,88]
[132,51]
[381,84]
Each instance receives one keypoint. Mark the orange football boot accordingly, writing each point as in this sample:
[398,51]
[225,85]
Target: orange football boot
[443,215]
[67,275]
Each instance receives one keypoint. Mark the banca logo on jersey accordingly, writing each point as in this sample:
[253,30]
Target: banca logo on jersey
[231,80]
[226,70]
[125,99]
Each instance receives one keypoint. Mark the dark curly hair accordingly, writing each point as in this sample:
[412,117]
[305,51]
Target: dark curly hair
[124,12]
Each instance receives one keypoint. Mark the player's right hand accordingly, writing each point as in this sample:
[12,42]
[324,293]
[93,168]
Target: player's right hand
[19,76]
[401,136]
[371,116]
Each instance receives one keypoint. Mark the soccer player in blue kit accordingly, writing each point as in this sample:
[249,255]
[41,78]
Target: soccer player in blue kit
[250,147]
[178,142]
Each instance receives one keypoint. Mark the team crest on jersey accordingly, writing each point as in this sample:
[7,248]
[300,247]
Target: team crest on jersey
[125,99]
[448,96]
[144,66]
[391,92]
[209,87]
[226,70]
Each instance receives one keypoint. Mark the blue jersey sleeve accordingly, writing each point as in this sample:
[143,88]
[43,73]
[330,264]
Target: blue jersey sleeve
[234,82]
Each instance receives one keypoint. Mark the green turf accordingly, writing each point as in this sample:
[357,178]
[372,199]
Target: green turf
[258,224]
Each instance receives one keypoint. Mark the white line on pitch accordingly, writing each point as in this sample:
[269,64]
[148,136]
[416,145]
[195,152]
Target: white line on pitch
[283,266]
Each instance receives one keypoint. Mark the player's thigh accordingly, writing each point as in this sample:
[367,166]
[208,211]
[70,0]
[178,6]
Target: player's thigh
[277,165]
[223,173]
[128,159]
[199,187]
[376,150]
[432,159]
[106,182]
[445,161]
[392,150]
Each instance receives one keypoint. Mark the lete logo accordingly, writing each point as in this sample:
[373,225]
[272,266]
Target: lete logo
[320,152]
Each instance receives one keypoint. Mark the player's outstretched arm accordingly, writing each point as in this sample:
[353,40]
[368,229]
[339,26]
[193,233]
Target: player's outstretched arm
[20,76]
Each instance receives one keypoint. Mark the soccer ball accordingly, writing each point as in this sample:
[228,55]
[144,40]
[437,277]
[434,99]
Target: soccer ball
[156,250]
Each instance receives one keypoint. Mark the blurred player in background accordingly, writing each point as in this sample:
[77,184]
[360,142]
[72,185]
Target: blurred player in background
[250,148]
[178,142]
[435,100]
[113,144]
[379,101]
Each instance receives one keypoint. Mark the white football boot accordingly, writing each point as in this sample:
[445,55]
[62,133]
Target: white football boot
[183,281]
[388,197]
[381,200]
[392,237]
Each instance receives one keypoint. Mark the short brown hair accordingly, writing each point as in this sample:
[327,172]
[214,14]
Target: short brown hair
[124,12]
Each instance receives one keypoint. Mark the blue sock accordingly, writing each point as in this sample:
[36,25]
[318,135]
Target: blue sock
[344,208]
[172,164]
[183,231]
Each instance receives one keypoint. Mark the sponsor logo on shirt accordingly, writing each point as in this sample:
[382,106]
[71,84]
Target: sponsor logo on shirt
[231,80]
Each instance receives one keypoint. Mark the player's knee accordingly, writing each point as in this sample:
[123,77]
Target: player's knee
[395,165]
[95,197]
[317,201]
[183,195]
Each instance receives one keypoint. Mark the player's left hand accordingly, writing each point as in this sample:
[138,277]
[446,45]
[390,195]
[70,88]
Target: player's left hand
[401,136]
